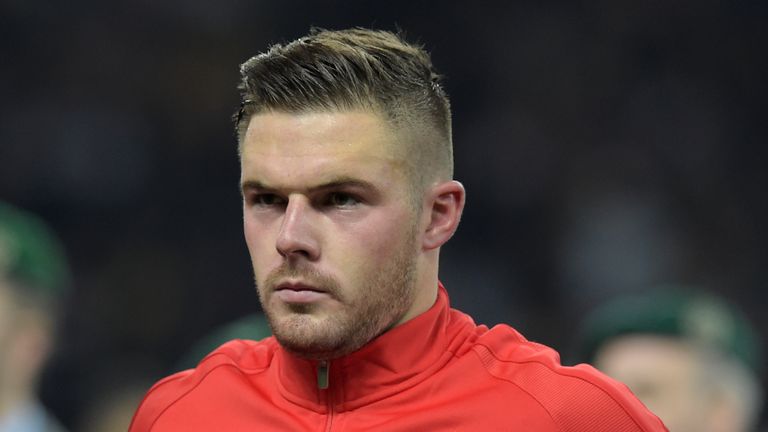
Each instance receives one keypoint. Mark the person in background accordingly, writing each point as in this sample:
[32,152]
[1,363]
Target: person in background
[33,277]
[693,359]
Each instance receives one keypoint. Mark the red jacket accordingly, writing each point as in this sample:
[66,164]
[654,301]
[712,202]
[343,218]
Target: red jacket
[437,372]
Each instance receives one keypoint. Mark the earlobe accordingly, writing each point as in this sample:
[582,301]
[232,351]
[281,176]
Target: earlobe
[444,208]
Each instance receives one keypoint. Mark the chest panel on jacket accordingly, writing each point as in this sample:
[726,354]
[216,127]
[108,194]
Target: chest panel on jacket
[462,397]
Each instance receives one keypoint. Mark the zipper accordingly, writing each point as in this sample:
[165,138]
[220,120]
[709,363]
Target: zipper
[322,375]
[323,383]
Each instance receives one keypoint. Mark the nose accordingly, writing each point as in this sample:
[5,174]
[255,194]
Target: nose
[297,236]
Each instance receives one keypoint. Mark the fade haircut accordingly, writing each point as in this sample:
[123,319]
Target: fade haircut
[357,69]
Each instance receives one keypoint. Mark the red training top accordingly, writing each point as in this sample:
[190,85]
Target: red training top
[436,372]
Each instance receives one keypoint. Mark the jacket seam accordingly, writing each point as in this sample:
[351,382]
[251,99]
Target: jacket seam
[200,381]
[590,383]
[485,368]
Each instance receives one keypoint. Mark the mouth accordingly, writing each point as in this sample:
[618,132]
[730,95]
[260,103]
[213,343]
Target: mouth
[300,292]
[298,286]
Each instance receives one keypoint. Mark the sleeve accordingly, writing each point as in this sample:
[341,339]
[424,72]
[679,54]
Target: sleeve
[597,403]
[159,398]
[577,398]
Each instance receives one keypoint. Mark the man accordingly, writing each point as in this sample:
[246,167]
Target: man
[346,159]
[689,356]
[33,276]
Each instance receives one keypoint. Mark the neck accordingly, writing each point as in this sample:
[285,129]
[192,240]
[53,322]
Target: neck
[425,286]
[395,361]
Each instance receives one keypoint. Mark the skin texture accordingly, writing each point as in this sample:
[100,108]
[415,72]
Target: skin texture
[665,374]
[339,250]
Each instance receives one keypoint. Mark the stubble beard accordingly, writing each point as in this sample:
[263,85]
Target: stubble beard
[368,310]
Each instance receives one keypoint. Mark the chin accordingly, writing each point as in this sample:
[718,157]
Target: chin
[320,339]
[312,349]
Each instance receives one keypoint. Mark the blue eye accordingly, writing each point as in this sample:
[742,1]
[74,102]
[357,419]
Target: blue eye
[266,200]
[340,199]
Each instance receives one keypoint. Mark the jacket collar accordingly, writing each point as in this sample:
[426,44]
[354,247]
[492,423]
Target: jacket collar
[398,359]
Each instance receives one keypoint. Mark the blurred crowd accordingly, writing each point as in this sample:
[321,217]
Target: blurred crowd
[607,148]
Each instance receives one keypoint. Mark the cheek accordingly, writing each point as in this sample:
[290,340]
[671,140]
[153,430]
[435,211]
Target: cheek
[376,241]
[251,237]
[251,234]
[260,244]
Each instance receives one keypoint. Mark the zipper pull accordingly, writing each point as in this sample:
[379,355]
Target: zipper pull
[322,375]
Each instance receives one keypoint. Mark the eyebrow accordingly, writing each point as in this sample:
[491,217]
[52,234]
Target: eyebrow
[337,183]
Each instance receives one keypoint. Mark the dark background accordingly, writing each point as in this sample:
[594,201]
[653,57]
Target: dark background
[606,147]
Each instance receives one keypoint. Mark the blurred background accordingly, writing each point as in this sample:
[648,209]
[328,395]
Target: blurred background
[606,147]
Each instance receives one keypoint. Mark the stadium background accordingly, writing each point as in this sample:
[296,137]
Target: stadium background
[606,147]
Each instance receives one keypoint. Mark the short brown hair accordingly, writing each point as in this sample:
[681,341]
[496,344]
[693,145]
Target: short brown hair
[355,69]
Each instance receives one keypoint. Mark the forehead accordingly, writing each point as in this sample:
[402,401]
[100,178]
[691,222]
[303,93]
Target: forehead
[349,129]
[641,354]
[278,144]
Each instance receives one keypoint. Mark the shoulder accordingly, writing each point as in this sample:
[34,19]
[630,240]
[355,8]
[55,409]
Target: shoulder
[578,398]
[243,356]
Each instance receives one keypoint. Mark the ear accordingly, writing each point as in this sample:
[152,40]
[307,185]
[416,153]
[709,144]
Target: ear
[442,212]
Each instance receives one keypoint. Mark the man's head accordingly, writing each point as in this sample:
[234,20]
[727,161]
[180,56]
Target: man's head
[346,165]
[357,70]
[688,356]
[33,274]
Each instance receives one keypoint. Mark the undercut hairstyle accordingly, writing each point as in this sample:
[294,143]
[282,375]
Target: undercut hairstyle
[356,69]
